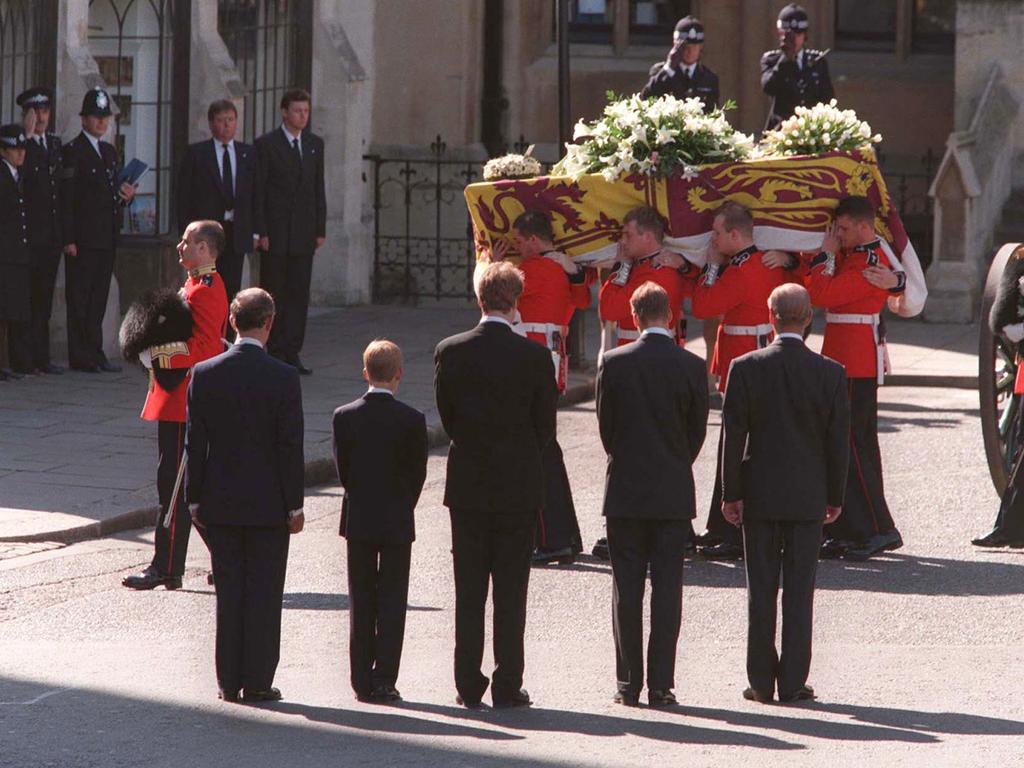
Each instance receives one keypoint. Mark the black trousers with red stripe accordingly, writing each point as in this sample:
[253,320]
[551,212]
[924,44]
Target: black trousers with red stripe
[865,512]
[1010,518]
[172,541]
[558,526]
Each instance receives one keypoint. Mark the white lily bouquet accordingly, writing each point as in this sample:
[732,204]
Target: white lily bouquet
[652,136]
[512,166]
[818,129]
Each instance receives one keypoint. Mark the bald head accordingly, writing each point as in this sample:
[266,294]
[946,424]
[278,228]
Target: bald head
[790,308]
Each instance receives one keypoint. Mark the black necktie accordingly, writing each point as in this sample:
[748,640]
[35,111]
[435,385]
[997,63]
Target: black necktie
[298,152]
[229,184]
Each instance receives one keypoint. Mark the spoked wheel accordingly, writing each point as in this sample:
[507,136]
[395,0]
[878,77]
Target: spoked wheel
[997,371]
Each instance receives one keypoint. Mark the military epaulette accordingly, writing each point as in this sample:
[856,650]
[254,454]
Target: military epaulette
[812,56]
[162,353]
[868,247]
[740,258]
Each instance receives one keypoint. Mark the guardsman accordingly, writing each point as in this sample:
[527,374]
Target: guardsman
[640,260]
[794,76]
[41,175]
[15,255]
[851,278]
[682,74]
[91,212]
[554,287]
[171,365]
[735,285]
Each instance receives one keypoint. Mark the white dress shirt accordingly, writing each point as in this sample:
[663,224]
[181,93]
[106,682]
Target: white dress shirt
[787,335]
[291,138]
[658,330]
[94,141]
[495,319]
[248,340]
[379,391]
[218,148]
[13,170]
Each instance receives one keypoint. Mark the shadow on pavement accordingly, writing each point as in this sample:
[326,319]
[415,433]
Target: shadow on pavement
[330,601]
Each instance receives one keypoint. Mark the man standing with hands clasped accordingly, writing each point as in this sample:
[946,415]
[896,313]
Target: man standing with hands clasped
[784,465]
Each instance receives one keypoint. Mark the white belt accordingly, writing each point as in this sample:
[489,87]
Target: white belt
[747,330]
[881,354]
[546,328]
[831,317]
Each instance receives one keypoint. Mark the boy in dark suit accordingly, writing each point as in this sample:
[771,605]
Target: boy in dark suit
[380,451]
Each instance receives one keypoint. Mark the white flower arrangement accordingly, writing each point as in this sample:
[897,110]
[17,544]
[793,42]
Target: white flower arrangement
[817,129]
[512,167]
[652,136]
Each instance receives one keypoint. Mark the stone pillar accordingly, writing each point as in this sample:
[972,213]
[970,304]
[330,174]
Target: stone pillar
[212,74]
[342,115]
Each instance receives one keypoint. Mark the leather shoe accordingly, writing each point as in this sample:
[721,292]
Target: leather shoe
[751,694]
[518,699]
[228,696]
[86,368]
[803,693]
[723,551]
[659,698]
[627,698]
[881,542]
[467,703]
[708,539]
[108,367]
[150,579]
[209,578]
[689,548]
[600,550]
[832,549]
[385,693]
[562,555]
[296,363]
[52,370]
[270,694]
[996,539]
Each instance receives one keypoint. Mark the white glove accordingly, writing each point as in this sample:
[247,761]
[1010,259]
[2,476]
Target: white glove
[1014,332]
[146,359]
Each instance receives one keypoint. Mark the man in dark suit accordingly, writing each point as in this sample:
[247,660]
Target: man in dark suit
[41,176]
[91,212]
[682,74]
[380,451]
[245,486]
[496,398]
[784,464]
[291,217]
[216,181]
[652,409]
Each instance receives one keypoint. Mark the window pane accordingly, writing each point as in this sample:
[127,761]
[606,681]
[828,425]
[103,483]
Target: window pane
[652,21]
[22,26]
[934,26]
[590,21]
[866,25]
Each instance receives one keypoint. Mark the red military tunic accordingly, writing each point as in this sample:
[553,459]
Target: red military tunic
[550,297]
[853,304]
[613,300]
[740,295]
[204,291]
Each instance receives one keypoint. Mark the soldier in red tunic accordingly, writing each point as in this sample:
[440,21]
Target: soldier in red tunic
[554,287]
[852,279]
[171,365]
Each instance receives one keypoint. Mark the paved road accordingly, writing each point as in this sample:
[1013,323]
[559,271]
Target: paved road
[917,659]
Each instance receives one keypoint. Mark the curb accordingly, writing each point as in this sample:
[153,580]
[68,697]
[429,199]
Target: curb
[942,382]
[319,471]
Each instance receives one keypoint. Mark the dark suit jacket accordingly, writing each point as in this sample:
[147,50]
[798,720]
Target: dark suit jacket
[496,395]
[244,439]
[703,85]
[652,409]
[787,429]
[200,193]
[41,179]
[291,208]
[13,222]
[91,207]
[380,450]
[791,87]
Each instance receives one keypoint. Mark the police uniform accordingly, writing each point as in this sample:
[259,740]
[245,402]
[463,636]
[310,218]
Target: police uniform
[791,84]
[165,403]
[613,299]
[855,337]
[15,256]
[738,292]
[684,82]
[549,299]
[41,177]
[91,213]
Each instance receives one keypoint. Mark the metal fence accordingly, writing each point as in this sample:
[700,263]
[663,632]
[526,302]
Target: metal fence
[908,190]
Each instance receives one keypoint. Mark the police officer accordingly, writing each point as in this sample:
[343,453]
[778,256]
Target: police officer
[15,256]
[794,76]
[41,175]
[91,219]
[682,74]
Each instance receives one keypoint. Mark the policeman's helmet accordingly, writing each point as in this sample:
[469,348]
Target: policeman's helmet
[688,30]
[793,18]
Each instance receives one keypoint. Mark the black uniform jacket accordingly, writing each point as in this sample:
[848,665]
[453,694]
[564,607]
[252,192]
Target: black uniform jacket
[91,207]
[291,208]
[703,85]
[652,410]
[786,418]
[41,179]
[380,451]
[791,86]
[13,221]
[201,194]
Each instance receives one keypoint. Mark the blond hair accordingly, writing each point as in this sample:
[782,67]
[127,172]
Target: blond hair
[499,287]
[382,360]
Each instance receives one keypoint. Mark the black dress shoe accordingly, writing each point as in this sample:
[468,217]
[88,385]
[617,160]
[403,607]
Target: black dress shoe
[383,694]
[229,696]
[996,539]
[209,578]
[562,555]
[832,549]
[708,539]
[270,694]
[150,579]
[690,548]
[803,693]
[108,367]
[600,550]
[518,699]
[723,551]
[52,370]
[86,368]
[467,703]
[661,698]
[751,694]
[876,545]
[627,698]
[296,363]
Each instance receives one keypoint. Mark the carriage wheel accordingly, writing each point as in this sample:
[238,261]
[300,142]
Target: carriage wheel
[997,370]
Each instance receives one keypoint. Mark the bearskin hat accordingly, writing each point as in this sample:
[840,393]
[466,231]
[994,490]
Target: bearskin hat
[159,316]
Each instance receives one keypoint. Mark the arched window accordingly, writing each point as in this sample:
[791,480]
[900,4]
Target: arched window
[28,37]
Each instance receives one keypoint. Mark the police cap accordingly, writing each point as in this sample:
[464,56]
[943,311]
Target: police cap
[689,30]
[12,136]
[39,97]
[793,17]
[96,103]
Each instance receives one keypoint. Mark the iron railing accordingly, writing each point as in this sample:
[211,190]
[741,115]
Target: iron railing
[908,190]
